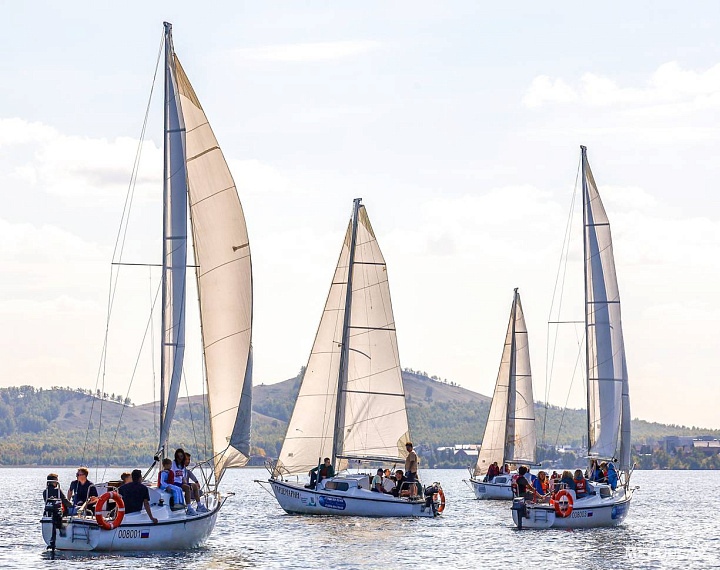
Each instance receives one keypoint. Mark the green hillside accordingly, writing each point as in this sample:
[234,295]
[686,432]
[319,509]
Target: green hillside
[63,426]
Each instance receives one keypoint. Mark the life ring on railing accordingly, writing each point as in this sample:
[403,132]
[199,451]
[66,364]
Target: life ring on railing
[119,510]
[563,503]
[439,498]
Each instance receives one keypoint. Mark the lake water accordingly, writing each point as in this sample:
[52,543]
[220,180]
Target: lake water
[672,524]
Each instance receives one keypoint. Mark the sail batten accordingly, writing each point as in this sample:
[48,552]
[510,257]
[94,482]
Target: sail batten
[374,421]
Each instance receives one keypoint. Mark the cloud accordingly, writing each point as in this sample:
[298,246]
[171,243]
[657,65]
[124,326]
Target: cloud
[83,169]
[307,52]
[668,85]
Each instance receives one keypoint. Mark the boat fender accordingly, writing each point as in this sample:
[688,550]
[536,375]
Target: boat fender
[439,500]
[563,503]
[120,506]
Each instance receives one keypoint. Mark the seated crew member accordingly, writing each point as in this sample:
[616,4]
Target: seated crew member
[82,490]
[580,484]
[317,474]
[377,482]
[136,495]
[166,482]
[53,491]
[192,481]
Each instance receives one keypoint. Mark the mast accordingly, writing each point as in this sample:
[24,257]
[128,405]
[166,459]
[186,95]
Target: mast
[583,159]
[174,245]
[512,385]
[338,440]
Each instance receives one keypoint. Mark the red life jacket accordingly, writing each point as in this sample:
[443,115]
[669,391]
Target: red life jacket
[170,477]
[580,488]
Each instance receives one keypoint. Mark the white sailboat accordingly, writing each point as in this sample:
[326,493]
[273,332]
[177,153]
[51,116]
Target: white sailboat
[608,399]
[351,404]
[509,436]
[195,174]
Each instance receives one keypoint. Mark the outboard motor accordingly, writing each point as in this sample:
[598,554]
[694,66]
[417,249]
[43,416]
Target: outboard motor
[430,490]
[53,510]
[521,508]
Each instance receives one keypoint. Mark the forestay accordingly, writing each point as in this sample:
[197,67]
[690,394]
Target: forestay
[372,397]
[510,430]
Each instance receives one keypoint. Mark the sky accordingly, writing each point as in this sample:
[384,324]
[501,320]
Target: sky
[458,124]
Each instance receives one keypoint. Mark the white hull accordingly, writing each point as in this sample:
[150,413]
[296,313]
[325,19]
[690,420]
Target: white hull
[294,498]
[174,531]
[499,491]
[589,512]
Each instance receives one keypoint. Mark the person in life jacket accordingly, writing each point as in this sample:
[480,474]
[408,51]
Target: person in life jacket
[580,484]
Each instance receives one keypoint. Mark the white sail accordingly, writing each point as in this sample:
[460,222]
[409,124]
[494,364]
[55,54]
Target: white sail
[196,171]
[510,430]
[607,382]
[224,274]
[372,397]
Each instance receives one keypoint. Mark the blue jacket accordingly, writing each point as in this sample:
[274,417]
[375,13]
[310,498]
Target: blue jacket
[612,476]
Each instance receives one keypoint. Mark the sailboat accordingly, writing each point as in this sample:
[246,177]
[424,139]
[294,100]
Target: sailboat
[509,436]
[351,403]
[195,176]
[608,398]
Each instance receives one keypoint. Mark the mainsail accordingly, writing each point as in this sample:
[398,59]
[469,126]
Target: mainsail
[351,405]
[510,430]
[224,270]
[607,379]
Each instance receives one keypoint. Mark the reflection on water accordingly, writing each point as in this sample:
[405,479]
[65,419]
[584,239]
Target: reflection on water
[664,529]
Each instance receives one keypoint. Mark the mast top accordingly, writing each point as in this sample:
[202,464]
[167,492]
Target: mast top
[583,149]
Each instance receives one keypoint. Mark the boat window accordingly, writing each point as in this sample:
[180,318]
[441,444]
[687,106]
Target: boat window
[500,480]
[337,486]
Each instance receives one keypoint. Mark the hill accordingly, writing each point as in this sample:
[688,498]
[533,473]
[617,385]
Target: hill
[63,426]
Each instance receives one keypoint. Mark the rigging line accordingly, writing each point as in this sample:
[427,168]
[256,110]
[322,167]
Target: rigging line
[152,354]
[572,380]
[128,200]
[148,327]
[550,362]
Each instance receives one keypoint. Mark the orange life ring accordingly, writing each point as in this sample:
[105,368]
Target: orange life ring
[120,512]
[563,508]
[440,495]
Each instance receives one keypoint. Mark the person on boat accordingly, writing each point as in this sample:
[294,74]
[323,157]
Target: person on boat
[612,476]
[595,473]
[82,490]
[125,477]
[492,472]
[541,484]
[180,473]
[603,476]
[136,495]
[580,484]
[317,474]
[411,467]
[401,487]
[523,485]
[191,480]
[166,480]
[377,482]
[388,482]
[567,481]
[53,491]
[506,469]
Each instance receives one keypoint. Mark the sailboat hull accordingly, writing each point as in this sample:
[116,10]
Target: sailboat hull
[294,498]
[174,531]
[590,512]
[498,490]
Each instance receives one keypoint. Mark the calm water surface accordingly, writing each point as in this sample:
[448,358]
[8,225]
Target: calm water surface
[672,524]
